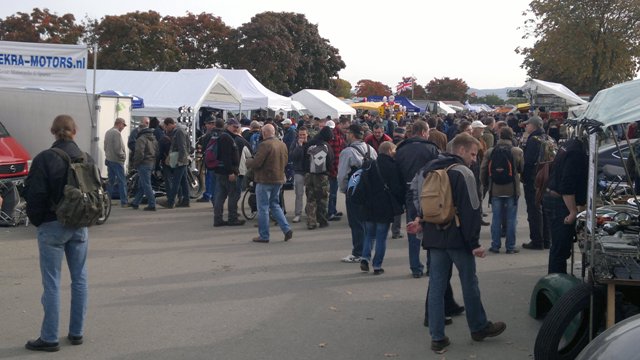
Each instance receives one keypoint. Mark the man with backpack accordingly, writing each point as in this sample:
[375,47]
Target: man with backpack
[452,239]
[412,154]
[500,175]
[318,159]
[46,185]
[352,158]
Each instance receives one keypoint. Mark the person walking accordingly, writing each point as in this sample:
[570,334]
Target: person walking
[44,187]
[144,160]
[115,156]
[268,170]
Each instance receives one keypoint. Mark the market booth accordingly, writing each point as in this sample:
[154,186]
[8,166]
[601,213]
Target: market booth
[322,104]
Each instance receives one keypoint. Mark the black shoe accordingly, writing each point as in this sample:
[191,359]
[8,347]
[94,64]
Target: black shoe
[323,225]
[339,214]
[170,205]
[236,222]
[417,275]
[494,250]
[378,271]
[458,310]
[149,208]
[334,217]
[203,200]
[288,235]
[547,246]
[221,223]
[513,251]
[493,329]
[484,223]
[531,246]
[183,204]
[447,321]
[134,207]
[364,265]
[40,345]
[440,345]
[75,340]
[312,226]
[396,236]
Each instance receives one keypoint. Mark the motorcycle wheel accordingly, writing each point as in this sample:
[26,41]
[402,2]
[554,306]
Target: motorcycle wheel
[106,209]
[195,185]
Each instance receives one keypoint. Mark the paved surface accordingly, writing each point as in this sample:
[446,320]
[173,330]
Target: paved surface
[167,285]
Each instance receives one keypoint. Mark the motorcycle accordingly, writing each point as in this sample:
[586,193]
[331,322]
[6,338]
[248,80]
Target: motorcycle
[196,187]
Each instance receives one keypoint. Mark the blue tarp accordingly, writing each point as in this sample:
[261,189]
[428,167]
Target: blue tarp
[411,107]
[136,101]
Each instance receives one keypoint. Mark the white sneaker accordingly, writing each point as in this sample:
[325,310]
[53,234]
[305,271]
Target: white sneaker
[351,259]
[296,219]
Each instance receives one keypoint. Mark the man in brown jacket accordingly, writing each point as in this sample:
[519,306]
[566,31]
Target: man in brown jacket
[500,174]
[268,173]
[436,136]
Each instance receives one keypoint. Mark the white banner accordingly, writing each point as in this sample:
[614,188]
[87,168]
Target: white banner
[40,65]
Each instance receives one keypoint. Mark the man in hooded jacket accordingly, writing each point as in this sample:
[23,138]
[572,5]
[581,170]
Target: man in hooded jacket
[317,165]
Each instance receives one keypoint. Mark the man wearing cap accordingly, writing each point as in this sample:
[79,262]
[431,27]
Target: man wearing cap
[213,127]
[115,157]
[290,134]
[227,176]
[533,127]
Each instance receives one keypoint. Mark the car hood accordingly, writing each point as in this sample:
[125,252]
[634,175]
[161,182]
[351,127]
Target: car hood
[12,152]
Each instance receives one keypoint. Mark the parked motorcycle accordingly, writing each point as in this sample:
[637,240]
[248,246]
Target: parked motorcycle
[196,188]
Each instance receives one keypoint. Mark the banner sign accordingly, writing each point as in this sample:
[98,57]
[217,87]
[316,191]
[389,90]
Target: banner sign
[40,65]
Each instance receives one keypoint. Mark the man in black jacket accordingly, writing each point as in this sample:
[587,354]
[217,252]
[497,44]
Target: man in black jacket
[539,240]
[44,187]
[456,243]
[318,159]
[227,177]
[412,154]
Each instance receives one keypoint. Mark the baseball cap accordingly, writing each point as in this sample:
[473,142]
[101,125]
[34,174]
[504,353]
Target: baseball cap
[330,124]
[534,120]
[233,122]
[121,121]
[286,122]
[478,124]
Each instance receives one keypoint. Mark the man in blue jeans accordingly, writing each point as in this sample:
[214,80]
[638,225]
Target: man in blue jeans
[144,160]
[115,157]
[268,173]
[455,243]
[44,186]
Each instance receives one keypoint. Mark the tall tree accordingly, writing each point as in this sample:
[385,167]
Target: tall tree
[41,26]
[284,52]
[340,88]
[447,89]
[137,41]
[366,87]
[200,38]
[586,45]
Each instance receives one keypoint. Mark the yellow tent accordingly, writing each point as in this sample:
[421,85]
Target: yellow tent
[371,106]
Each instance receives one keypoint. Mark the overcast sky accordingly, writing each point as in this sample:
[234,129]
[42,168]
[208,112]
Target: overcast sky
[378,40]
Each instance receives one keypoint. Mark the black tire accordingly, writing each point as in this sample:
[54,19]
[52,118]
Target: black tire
[195,185]
[556,340]
[106,209]
[247,211]
[132,185]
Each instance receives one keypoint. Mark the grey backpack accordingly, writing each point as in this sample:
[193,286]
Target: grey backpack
[318,158]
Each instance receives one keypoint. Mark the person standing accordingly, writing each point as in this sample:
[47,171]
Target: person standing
[268,170]
[201,145]
[115,157]
[566,192]
[318,158]
[133,135]
[352,158]
[533,128]
[296,156]
[456,244]
[227,177]
[144,161]
[504,188]
[436,136]
[383,198]
[178,160]
[44,187]
[411,155]
[378,137]
[337,143]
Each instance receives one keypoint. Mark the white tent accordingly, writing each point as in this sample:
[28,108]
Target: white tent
[254,95]
[322,104]
[165,92]
[445,109]
[540,87]
[618,104]
[298,107]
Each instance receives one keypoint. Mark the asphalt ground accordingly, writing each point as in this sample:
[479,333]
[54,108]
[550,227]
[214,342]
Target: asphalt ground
[167,285]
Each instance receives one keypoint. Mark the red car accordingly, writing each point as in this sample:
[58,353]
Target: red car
[14,159]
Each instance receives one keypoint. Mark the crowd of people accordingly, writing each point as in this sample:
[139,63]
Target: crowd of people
[378,163]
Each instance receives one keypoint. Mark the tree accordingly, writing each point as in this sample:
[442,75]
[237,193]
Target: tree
[200,39]
[447,89]
[368,87]
[284,52]
[586,45]
[340,88]
[137,41]
[418,93]
[41,26]
[491,99]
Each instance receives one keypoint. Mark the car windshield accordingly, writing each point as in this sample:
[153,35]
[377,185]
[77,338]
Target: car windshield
[3,131]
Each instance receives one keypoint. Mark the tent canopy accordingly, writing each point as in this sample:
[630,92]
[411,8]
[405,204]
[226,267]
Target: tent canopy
[298,107]
[368,105]
[536,86]
[254,95]
[165,92]
[411,107]
[136,101]
[618,104]
[445,109]
[321,103]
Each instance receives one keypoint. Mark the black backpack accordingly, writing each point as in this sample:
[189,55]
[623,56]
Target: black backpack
[83,197]
[501,167]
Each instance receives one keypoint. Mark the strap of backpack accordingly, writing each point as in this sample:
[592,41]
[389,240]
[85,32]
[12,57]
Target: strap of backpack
[384,183]
[455,209]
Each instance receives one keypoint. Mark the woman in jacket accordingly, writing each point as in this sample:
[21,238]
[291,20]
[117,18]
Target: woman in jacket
[383,198]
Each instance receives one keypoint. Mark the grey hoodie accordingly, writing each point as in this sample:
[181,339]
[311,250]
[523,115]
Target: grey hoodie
[350,157]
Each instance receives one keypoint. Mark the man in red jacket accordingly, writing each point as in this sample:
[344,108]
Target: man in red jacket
[378,137]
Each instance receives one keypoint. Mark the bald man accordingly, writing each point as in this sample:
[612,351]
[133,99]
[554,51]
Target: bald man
[268,173]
